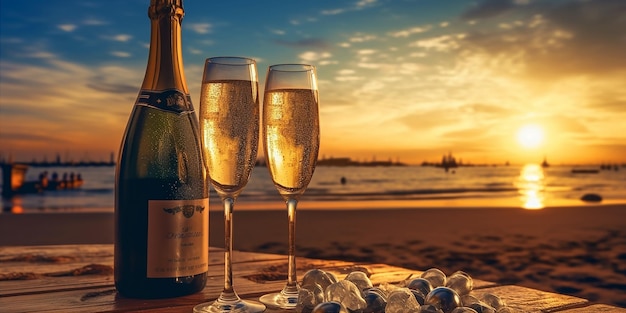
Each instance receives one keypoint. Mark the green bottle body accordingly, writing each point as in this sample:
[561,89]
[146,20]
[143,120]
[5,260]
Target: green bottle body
[161,192]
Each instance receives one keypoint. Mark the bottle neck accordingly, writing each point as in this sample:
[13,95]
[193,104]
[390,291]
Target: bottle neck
[165,62]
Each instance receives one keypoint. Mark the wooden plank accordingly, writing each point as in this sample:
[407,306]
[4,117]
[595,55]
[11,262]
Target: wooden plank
[526,300]
[106,298]
[243,266]
[600,308]
[63,257]
[97,300]
[38,258]
[254,275]
[52,284]
[40,267]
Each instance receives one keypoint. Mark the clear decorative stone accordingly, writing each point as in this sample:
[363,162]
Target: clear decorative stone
[401,300]
[435,276]
[493,300]
[466,300]
[464,309]
[461,282]
[346,293]
[387,288]
[376,301]
[420,284]
[360,279]
[320,277]
[429,308]
[444,298]
[330,307]
[482,307]
[421,298]
[308,297]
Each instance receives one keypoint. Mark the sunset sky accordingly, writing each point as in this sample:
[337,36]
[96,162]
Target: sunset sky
[489,80]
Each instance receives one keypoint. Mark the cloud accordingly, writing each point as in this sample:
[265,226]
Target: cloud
[312,56]
[358,5]
[195,51]
[598,37]
[94,22]
[313,43]
[41,55]
[119,37]
[362,38]
[610,101]
[200,28]
[121,54]
[348,78]
[418,54]
[347,75]
[332,12]
[112,87]
[81,116]
[67,27]
[488,9]
[27,136]
[366,51]
[365,3]
[278,32]
[551,41]
[440,43]
[371,66]
[409,68]
[485,109]
[410,31]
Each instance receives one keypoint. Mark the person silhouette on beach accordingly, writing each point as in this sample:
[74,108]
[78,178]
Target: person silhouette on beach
[43,180]
[72,180]
[54,181]
[64,181]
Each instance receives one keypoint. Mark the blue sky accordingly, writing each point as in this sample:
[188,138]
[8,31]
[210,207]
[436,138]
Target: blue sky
[405,79]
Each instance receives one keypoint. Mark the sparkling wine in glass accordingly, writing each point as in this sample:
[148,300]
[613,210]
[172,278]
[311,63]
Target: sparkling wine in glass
[291,137]
[229,127]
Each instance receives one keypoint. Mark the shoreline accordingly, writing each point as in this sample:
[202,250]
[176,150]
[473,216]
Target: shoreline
[305,204]
[575,250]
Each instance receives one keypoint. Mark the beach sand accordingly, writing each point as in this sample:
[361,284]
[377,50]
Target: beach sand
[577,250]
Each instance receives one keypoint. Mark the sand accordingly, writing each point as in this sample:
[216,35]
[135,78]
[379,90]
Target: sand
[577,250]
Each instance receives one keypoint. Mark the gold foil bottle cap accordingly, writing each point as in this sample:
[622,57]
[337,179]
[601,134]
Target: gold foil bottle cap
[163,8]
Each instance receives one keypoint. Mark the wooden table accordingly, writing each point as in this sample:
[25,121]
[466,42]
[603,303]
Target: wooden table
[79,278]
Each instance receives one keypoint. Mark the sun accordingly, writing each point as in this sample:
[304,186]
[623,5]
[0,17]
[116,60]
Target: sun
[530,136]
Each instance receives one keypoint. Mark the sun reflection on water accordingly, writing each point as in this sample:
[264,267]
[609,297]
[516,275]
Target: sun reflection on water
[530,185]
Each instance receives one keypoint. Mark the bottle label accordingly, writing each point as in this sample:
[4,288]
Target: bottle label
[168,100]
[178,238]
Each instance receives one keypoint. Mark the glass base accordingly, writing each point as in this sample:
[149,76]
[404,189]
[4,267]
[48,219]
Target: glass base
[239,306]
[280,300]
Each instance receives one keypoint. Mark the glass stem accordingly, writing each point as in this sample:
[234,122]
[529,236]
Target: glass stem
[292,278]
[228,294]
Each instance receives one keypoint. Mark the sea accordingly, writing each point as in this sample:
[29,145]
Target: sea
[528,186]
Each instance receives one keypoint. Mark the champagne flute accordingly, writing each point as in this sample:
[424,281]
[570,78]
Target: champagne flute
[291,137]
[229,124]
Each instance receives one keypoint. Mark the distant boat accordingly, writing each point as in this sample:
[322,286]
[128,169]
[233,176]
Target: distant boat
[609,167]
[585,171]
[448,162]
[545,162]
[14,181]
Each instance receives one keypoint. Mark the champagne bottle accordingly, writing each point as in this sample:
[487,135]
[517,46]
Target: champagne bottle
[161,196]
